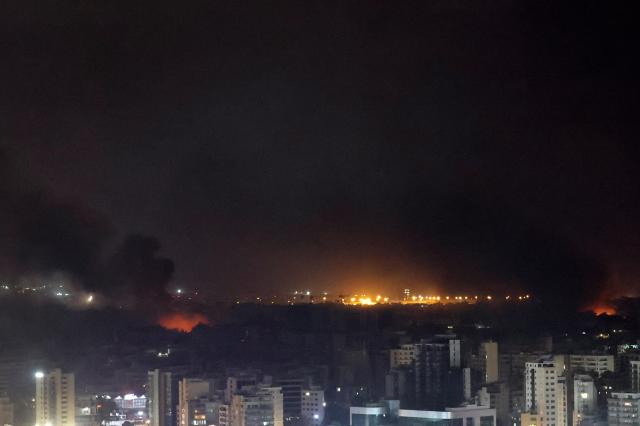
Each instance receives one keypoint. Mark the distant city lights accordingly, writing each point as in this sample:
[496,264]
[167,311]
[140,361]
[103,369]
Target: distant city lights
[366,299]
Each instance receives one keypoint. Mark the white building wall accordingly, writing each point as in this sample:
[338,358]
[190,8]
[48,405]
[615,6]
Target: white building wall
[546,391]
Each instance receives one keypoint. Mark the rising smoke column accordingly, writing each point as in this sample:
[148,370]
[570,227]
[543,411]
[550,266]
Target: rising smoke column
[44,238]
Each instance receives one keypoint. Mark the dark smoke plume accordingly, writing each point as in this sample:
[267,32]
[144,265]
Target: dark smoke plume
[136,271]
[43,239]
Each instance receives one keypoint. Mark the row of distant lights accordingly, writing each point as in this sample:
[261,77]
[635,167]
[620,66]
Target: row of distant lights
[436,298]
[303,294]
[43,286]
[58,293]
[366,300]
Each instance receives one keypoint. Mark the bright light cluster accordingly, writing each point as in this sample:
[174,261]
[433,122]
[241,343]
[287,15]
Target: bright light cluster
[365,300]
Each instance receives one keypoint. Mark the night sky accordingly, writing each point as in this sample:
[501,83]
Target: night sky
[267,146]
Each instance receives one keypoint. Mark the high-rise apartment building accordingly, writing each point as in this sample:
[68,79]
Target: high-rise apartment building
[439,380]
[161,398]
[55,398]
[489,357]
[192,394]
[545,392]
[436,369]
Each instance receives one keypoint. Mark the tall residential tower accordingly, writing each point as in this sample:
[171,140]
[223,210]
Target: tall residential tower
[55,398]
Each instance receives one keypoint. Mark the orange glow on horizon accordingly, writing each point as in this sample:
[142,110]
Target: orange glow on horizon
[602,308]
[184,322]
[602,305]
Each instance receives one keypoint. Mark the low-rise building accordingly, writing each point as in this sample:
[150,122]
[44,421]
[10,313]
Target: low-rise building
[388,413]
[470,415]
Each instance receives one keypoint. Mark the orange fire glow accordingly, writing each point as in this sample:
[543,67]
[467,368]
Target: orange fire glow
[602,308]
[184,322]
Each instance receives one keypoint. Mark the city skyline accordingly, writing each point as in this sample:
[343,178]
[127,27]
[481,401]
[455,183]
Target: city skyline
[319,213]
[249,148]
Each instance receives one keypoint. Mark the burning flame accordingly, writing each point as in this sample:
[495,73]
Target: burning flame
[602,308]
[184,322]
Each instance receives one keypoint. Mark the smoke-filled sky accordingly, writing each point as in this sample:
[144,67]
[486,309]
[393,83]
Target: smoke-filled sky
[342,146]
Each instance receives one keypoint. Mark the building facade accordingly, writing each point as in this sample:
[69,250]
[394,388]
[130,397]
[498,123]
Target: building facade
[545,392]
[496,395]
[257,406]
[598,364]
[584,398]
[192,395]
[161,398]
[623,409]
[6,411]
[313,406]
[470,415]
[489,355]
[439,379]
[55,398]
[403,356]
[634,371]
[389,413]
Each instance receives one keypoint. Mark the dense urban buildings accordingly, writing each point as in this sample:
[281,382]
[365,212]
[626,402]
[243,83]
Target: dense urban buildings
[319,213]
[329,364]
